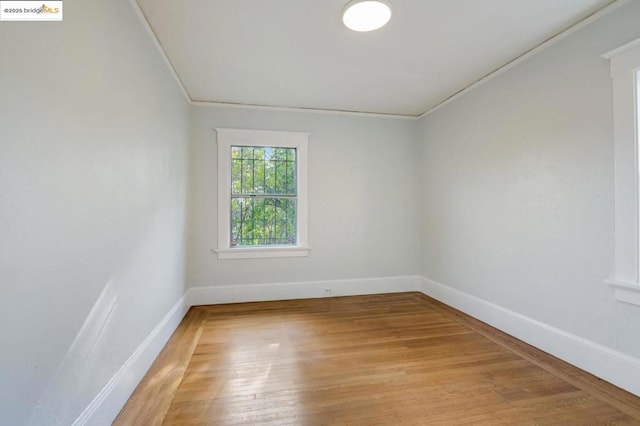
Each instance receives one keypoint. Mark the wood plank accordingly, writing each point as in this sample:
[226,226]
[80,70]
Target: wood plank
[152,398]
[600,389]
[383,359]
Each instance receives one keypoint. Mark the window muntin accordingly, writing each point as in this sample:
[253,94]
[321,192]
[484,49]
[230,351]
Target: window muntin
[250,192]
[263,196]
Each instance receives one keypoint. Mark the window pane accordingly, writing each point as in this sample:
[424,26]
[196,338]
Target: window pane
[246,173]
[236,170]
[258,173]
[291,174]
[263,171]
[270,178]
[263,221]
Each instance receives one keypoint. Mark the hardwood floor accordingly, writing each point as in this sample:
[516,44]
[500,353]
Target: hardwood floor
[394,359]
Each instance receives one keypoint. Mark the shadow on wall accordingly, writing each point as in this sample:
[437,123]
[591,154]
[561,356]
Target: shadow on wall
[119,317]
[75,371]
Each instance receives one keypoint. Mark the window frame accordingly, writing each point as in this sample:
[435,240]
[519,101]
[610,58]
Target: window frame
[625,75]
[226,138]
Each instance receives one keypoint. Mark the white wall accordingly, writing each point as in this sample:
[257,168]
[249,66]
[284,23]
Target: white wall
[512,186]
[363,180]
[517,188]
[93,181]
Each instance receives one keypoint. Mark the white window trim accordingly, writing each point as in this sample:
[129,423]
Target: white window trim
[625,72]
[239,137]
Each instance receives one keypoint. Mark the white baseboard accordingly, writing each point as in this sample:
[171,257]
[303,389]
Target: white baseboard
[107,404]
[615,367]
[301,290]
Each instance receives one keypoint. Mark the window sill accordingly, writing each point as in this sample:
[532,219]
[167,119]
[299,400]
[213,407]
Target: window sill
[625,291]
[262,252]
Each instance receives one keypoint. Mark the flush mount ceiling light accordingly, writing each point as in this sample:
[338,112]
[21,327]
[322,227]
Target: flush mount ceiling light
[366,15]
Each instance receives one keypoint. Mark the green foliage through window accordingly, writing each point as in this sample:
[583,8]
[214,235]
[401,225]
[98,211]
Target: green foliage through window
[263,196]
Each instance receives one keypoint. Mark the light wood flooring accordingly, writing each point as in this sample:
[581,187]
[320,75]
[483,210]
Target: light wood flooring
[394,359]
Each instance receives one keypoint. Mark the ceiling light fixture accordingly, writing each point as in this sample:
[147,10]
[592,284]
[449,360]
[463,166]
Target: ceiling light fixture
[366,15]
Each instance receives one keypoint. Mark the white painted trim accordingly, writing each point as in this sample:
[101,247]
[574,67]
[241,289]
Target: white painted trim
[622,49]
[532,52]
[226,138]
[156,42]
[624,66]
[628,292]
[615,367]
[262,252]
[214,104]
[627,295]
[107,404]
[300,290]
[624,60]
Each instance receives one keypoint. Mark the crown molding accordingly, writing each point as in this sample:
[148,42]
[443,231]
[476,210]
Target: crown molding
[156,42]
[302,109]
[615,4]
[531,52]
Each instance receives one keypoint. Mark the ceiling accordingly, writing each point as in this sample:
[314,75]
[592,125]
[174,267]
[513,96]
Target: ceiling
[297,53]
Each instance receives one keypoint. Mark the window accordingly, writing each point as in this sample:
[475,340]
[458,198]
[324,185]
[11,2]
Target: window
[262,194]
[625,74]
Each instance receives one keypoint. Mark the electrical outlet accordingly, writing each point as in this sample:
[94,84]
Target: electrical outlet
[328,291]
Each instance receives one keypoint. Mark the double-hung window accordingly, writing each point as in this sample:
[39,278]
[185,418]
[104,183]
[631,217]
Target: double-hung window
[625,74]
[262,193]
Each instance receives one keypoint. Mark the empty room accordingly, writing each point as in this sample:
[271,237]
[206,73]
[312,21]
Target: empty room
[319,212]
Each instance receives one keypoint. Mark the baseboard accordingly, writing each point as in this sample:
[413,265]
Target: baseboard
[107,404]
[300,290]
[608,364]
[613,366]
